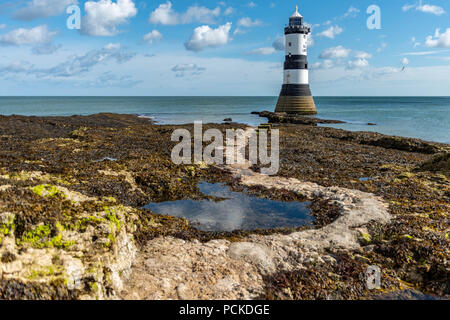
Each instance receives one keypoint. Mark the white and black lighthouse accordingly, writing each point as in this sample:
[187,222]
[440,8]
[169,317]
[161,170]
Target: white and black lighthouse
[295,96]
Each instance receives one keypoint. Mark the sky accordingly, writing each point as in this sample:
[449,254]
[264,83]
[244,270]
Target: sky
[221,48]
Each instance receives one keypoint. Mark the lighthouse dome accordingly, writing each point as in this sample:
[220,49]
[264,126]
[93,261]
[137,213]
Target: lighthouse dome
[296,13]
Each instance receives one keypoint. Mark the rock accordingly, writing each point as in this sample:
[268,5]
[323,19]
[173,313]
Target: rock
[254,253]
[362,259]
[438,163]
[294,119]
[371,124]
[365,238]
[404,144]
[228,120]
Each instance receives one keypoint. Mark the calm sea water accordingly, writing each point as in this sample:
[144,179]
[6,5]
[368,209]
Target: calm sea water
[421,117]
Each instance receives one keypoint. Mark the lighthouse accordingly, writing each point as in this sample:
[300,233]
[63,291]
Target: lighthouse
[295,96]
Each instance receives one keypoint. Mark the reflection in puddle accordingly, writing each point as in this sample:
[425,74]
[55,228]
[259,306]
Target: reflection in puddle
[106,159]
[238,211]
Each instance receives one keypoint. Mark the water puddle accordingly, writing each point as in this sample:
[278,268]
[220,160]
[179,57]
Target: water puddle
[235,211]
[105,159]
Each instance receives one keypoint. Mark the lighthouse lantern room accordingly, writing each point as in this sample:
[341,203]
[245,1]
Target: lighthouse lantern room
[295,96]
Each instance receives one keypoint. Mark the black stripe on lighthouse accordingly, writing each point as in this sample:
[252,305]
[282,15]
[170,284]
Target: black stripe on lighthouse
[293,62]
[295,90]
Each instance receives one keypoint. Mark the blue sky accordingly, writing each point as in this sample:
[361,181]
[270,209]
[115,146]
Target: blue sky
[178,47]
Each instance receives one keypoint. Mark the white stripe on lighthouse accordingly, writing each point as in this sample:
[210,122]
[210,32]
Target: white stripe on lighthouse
[300,76]
[296,44]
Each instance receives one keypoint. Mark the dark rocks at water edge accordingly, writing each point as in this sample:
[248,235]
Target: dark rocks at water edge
[298,119]
[294,119]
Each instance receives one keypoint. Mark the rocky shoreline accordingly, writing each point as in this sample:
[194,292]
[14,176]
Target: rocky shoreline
[72,224]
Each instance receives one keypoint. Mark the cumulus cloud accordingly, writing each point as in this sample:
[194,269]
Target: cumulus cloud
[331,32]
[326,64]
[440,40]
[362,55]
[335,53]
[191,69]
[104,16]
[357,63]
[248,22]
[36,9]
[262,51]
[206,37]
[427,8]
[405,61]
[165,15]
[152,36]
[34,36]
[337,56]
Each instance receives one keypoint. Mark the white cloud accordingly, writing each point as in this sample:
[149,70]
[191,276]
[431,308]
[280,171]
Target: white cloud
[205,37]
[229,11]
[36,9]
[408,7]
[440,40]
[74,65]
[436,10]
[262,51]
[165,15]
[34,36]
[423,53]
[248,22]
[362,55]
[2,26]
[357,63]
[104,16]
[415,42]
[154,35]
[331,32]
[351,12]
[251,4]
[191,69]
[200,15]
[16,67]
[405,61]
[335,53]
[326,64]
[427,8]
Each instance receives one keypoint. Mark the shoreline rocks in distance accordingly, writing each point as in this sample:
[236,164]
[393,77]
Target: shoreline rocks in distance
[294,119]
[298,119]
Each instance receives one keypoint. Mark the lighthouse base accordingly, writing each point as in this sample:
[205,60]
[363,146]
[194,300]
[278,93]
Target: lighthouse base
[296,99]
[296,105]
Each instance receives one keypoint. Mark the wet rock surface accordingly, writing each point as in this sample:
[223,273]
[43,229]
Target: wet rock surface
[72,227]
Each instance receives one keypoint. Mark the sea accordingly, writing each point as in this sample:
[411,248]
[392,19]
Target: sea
[427,118]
